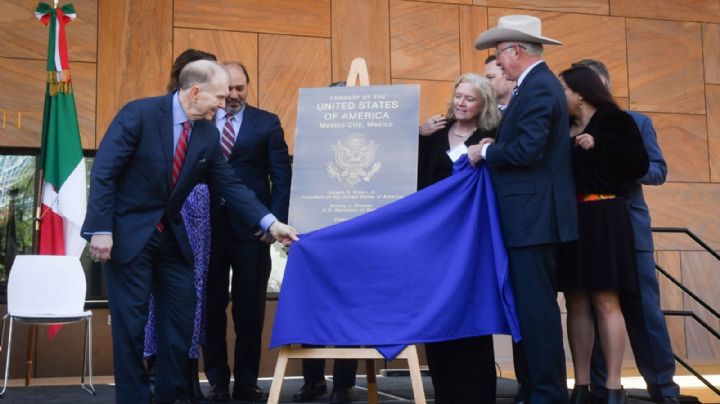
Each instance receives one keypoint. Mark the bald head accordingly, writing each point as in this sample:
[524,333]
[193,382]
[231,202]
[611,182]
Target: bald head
[203,89]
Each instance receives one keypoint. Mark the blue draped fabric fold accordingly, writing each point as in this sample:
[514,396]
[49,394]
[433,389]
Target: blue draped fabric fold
[429,267]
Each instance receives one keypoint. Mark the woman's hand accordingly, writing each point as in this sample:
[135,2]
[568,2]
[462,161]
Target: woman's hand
[432,125]
[585,140]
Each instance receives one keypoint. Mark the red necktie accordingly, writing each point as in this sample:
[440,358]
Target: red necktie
[227,140]
[178,160]
[180,151]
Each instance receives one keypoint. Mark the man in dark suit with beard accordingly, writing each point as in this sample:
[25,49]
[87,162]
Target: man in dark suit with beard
[253,142]
[153,154]
[531,170]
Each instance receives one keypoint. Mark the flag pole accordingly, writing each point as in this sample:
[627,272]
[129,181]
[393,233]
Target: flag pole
[32,330]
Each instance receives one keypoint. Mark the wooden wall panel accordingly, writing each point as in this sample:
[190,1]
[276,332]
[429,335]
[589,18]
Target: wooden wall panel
[306,17]
[434,96]
[711,52]
[361,29]
[134,56]
[712,95]
[468,2]
[24,36]
[659,53]
[683,140]
[688,10]
[671,298]
[568,6]
[473,21]
[694,206]
[701,274]
[62,356]
[226,46]
[22,89]
[424,40]
[605,41]
[287,63]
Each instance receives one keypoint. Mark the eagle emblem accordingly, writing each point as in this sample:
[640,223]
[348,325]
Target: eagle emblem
[354,160]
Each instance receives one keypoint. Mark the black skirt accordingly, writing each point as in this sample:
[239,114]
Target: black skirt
[603,258]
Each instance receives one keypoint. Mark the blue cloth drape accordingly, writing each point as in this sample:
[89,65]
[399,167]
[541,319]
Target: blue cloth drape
[429,267]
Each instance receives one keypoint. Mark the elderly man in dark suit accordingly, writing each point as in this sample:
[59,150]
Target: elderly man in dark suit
[531,169]
[253,142]
[152,155]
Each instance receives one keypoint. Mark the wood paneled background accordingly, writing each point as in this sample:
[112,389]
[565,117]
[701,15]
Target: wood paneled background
[663,55]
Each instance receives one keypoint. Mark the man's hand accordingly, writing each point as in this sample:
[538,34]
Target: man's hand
[585,140]
[475,151]
[283,233]
[100,247]
[266,238]
[432,125]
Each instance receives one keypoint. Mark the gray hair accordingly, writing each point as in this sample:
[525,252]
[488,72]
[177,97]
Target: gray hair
[489,116]
[531,48]
[199,72]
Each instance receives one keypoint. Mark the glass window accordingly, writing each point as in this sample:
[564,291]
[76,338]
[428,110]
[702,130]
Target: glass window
[17,196]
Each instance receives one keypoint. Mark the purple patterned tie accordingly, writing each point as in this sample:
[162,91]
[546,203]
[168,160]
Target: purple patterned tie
[227,140]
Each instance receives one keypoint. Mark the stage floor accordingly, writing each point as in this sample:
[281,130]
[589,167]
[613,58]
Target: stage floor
[393,389]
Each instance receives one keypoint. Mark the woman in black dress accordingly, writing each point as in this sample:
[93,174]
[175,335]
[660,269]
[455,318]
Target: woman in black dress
[463,370]
[607,156]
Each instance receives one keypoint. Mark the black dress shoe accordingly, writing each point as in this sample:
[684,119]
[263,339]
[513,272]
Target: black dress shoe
[310,391]
[218,394]
[669,400]
[253,394]
[341,395]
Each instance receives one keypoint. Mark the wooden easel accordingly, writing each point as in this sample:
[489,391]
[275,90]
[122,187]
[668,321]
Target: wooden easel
[358,72]
[369,354]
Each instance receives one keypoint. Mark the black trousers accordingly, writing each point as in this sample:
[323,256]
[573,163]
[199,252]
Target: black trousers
[250,262]
[540,358]
[463,370]
[159,268]
[344,371]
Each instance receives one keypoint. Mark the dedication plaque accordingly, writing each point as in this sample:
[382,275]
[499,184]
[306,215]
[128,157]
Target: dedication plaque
[355,150]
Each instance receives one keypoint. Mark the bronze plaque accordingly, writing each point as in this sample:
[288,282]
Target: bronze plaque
[355,151]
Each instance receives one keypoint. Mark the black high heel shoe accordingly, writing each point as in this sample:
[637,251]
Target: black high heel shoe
[616,396]
[581,394]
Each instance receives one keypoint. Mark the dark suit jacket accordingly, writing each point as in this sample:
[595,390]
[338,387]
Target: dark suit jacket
[260,157]
[531,165]
[132,172]
[657,172]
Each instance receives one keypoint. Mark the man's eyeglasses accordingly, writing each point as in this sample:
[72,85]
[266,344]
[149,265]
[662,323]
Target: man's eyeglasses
[501,50]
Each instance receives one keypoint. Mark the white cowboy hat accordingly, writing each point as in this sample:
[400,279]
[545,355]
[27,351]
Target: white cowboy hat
[521,28]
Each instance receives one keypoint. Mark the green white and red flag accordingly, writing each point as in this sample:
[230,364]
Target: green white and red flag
[64,199]
[61,157]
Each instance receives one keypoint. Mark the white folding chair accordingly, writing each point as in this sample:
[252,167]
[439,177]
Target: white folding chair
[48,289]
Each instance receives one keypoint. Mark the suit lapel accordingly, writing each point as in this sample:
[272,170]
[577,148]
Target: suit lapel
[167,149]
[246,129]
[192,154]
[508,110]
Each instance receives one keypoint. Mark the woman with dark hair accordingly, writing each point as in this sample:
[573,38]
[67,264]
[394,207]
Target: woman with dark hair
[462,370]
[196,217]
[188,55]
[608,155]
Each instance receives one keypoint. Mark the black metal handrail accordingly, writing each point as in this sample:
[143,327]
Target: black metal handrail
[687,291]
[696,298]
[689,234]
[683,313]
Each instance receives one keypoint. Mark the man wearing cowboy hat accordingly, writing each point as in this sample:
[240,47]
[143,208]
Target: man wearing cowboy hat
[532,175]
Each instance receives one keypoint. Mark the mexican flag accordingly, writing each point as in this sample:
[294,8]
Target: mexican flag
[61,158]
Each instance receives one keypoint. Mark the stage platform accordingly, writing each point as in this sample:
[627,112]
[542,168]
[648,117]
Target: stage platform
[392,389]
